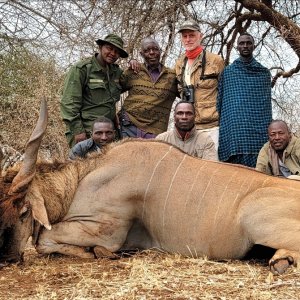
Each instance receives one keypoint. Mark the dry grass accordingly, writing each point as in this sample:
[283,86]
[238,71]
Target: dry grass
[19,120]
[23,87]
[147,275]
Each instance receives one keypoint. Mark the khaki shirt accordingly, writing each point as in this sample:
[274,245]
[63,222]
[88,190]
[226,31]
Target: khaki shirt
[90,91]
[205,90]
[196,143]
[291,157]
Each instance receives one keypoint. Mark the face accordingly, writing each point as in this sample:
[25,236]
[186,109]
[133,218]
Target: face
[184,116]
[245,46]
[103,133]
[150,51]
[279,136]
[109,53]
[190,39]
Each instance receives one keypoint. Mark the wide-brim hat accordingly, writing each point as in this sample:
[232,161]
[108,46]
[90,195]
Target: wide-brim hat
[114,40]
[189,25]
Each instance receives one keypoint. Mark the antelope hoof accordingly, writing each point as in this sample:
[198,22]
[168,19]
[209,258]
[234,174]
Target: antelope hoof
[279,266]
[101,252]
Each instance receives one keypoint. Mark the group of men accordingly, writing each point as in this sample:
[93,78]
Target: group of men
[224,113]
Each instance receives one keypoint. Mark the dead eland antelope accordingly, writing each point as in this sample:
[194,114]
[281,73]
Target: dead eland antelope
[146,194]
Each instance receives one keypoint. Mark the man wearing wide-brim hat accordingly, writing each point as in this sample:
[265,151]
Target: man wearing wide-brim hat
[92,88]
[116,42]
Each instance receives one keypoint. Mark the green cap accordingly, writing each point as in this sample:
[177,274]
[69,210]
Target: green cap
[116,41]
[189,25]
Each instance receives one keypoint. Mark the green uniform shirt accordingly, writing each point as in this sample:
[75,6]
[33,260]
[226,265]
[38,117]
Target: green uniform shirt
[90,91]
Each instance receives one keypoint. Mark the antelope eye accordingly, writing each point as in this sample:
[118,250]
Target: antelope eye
[24,213]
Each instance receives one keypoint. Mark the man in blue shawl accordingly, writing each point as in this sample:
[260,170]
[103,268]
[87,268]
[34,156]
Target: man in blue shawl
[244,106]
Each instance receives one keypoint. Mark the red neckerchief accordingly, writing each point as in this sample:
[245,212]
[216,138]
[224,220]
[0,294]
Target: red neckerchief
[192,54]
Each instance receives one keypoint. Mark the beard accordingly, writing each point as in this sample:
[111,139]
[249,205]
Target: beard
[185,129]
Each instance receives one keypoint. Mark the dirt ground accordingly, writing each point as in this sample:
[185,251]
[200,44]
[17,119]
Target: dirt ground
[146,275]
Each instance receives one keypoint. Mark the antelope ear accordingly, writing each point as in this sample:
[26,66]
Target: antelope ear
[39,211]
[36,231]
[20,184]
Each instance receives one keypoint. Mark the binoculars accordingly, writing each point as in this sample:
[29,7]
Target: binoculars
[188,93]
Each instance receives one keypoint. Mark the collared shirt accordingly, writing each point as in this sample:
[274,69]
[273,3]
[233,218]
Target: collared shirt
[155,72]
[196,143]
[284,170]
[189,67]
[149,103]
[187,135]
[291,158]
[90,91]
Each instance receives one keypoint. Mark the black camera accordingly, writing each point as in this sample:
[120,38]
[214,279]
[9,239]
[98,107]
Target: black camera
[188,93]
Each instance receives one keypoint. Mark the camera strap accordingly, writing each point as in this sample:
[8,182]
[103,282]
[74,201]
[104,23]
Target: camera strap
[203,65]
[183,83]
[202,74]
[209,76]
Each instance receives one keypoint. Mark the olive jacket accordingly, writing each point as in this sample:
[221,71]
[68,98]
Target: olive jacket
[90,91]
[291,158]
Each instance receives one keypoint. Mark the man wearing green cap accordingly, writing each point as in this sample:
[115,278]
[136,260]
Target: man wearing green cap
[92,88]
[198,72]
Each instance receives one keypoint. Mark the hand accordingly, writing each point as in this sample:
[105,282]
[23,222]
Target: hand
[134,65]
[80,137]
[116,121]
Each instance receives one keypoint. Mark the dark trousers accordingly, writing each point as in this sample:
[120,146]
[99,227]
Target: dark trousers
[131,131]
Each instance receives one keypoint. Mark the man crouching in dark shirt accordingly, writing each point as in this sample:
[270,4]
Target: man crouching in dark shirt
[103,133]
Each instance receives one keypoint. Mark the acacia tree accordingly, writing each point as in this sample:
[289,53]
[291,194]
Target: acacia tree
[70,27]
[65,31]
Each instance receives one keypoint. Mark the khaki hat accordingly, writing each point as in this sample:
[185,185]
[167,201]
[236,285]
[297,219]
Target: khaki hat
[189,25]
[116,41]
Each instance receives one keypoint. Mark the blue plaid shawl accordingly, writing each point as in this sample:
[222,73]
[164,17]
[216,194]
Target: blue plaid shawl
[244,106]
